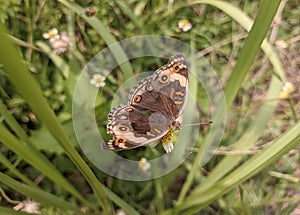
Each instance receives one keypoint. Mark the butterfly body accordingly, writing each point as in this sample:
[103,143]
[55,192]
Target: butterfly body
[154,107]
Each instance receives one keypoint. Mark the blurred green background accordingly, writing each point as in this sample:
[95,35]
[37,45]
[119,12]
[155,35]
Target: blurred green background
[46,44]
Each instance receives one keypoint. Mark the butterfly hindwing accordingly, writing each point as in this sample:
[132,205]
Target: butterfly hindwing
[127,124]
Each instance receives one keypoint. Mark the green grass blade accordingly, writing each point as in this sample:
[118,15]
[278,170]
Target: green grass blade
[258,126]
[31,155]
[32,93]
[120,202]
[12,122]
[57,60]
[252,45]
[233,86]
[36,193]
[286,142]
[13,170]
[36,159]
[250,136]
[30,90]
[129,13]
[19,42]
[109,39]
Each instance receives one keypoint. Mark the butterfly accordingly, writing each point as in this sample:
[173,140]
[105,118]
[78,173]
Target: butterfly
[153,110]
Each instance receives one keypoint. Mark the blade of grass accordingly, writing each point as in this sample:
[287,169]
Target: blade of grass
[69,77]
[31,92]
[41,162]
[129,13]
[252,45]
[241,68]
[36,159]
[12,122]
[258,126]
[57,60]
[268,156]
[37,194]
[249,138]
[109,39]
[62,66]
[120,202]
[159,196]
[13,170]
[19,42]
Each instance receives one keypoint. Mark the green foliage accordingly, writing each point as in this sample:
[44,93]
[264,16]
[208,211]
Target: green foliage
[39,155]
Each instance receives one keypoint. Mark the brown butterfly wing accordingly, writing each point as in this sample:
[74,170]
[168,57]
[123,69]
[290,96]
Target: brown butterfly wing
[154,106]
[165,91]
[132,128]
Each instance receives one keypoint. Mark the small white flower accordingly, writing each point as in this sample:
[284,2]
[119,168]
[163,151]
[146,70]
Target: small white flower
[120,212]
[61,43]
[31,207]
[185,25]
[168,147]
[98,80]
[53,33]
[287,89]
[144,164]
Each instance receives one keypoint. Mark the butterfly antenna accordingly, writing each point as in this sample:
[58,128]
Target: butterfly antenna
[200,123]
